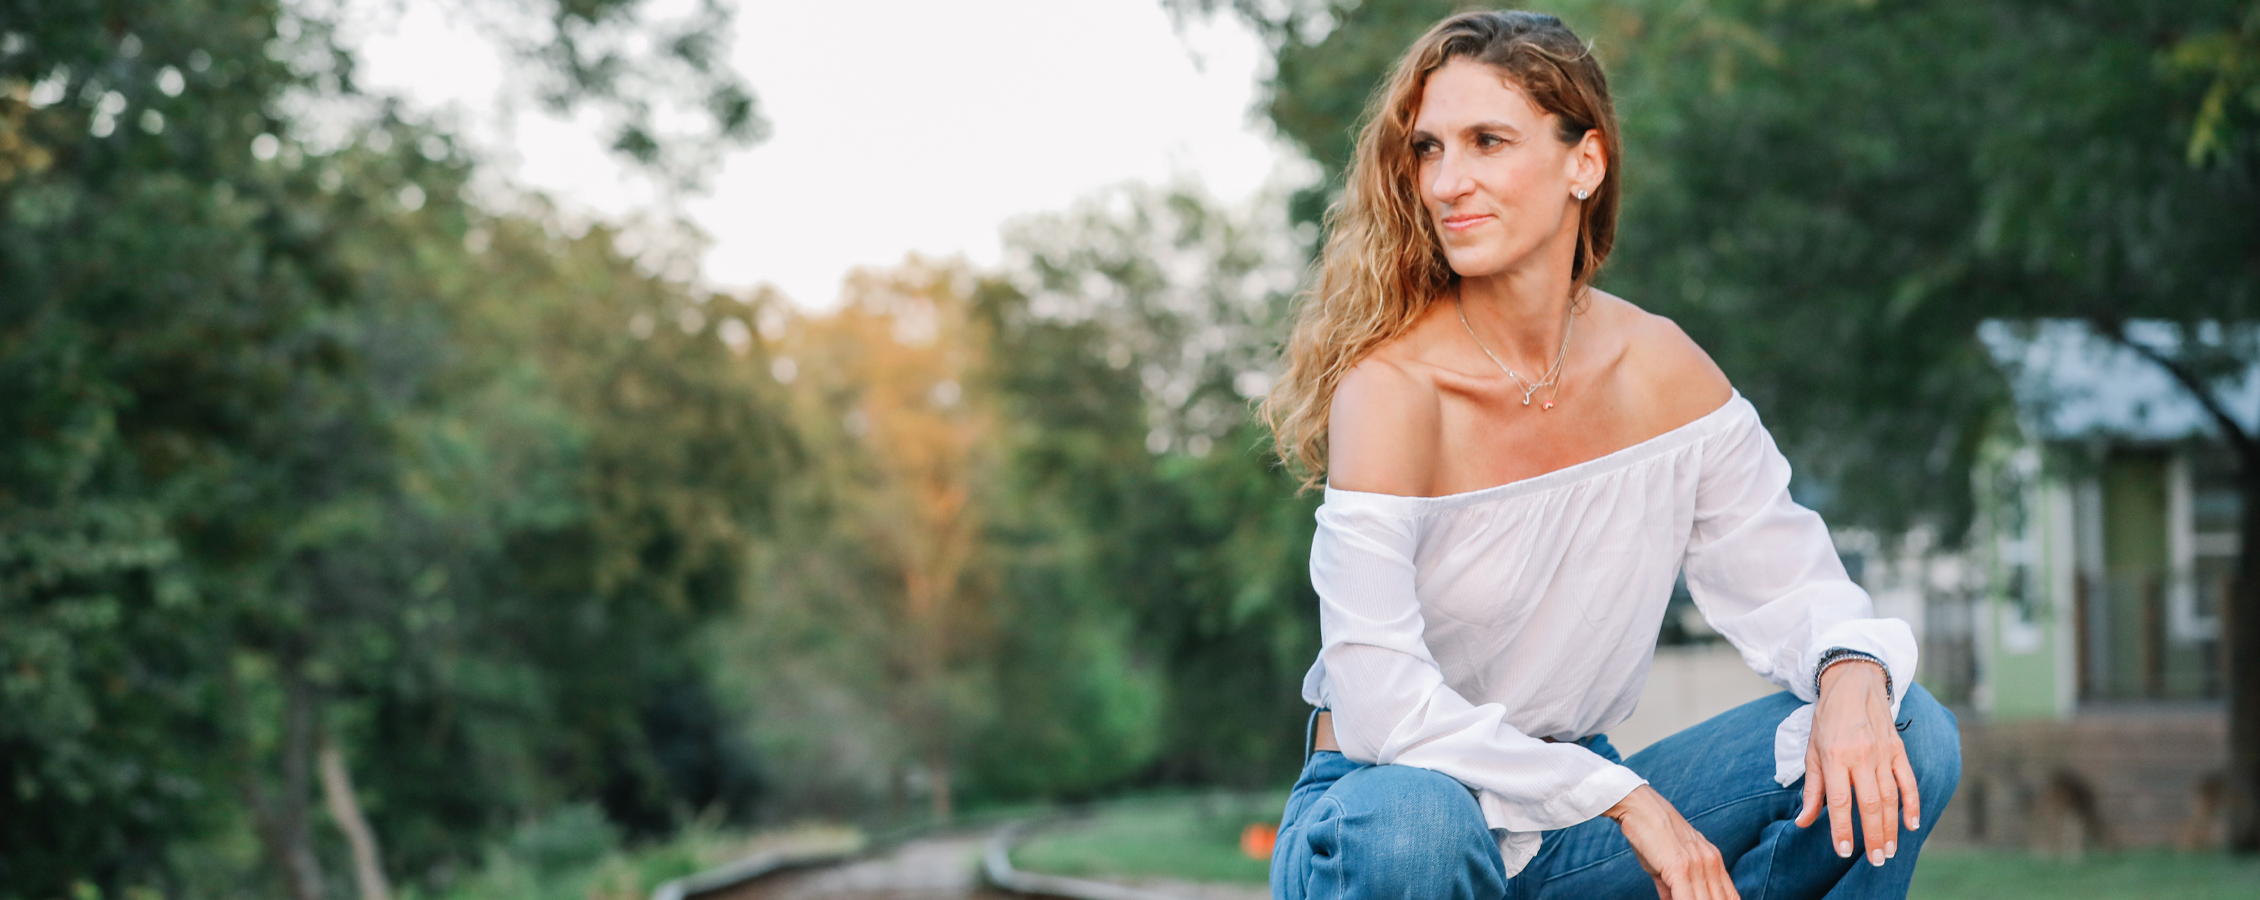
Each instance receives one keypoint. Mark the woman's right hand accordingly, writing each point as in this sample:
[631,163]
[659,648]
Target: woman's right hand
[1680,859]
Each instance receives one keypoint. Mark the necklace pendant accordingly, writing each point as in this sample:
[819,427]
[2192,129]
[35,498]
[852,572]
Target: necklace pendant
[1548,405]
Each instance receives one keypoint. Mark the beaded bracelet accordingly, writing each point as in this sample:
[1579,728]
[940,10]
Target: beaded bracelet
[1836,655]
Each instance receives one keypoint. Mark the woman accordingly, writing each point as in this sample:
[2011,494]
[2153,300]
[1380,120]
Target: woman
[1516,468]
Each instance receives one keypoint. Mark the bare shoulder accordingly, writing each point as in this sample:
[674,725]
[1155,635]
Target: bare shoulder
[1674,380]
[1382,432]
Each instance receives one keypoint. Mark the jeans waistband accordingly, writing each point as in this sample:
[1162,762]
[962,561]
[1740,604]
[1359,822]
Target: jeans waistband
[1598,743]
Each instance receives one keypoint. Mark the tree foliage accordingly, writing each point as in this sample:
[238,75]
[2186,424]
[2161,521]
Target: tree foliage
[883,597]
[1066,441]
[302,449]
[1139,325]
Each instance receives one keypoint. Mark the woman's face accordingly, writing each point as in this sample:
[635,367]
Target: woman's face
[1498,182]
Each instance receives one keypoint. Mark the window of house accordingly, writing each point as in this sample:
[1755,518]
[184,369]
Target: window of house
[2148,616]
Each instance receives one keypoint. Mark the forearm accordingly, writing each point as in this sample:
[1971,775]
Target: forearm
[1391,709]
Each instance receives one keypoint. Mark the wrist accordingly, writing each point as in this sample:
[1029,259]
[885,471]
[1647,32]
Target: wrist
[1861,669]
[1631,801]
[1841,659]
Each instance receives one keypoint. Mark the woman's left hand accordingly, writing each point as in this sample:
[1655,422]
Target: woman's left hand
[1855,758]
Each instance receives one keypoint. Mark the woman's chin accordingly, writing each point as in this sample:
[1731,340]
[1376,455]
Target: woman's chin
[1475,265]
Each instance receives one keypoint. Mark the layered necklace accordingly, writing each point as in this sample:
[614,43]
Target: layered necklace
[1528,388]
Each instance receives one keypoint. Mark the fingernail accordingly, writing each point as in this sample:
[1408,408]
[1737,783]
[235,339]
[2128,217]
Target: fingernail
[1890,849]
[1844,849]
[1875,857]
[1914,822]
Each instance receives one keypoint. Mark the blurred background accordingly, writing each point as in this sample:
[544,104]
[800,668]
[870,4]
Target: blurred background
[479,448]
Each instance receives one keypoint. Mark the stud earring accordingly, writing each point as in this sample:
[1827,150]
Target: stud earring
[1581,192]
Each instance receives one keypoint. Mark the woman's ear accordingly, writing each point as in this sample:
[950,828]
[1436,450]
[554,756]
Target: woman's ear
[1589,162]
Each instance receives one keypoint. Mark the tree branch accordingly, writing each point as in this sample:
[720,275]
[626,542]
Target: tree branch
[345,809]
[2231,431]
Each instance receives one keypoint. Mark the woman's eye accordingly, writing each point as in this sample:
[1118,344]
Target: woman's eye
[1426,149]
[1489,141]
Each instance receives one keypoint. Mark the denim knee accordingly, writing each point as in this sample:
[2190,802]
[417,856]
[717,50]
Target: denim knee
[1417,808]
[1934,748]
[1403,831]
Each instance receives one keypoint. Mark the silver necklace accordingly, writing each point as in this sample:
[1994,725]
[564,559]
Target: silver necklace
[1529,389]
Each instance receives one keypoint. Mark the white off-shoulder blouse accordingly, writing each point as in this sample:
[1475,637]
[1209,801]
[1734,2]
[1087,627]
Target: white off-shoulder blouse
[1460,630]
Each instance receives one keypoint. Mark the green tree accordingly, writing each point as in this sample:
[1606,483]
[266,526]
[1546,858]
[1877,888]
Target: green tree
[1133,329]
[1132,608]
[897,568]
[2229,60]
[310,466]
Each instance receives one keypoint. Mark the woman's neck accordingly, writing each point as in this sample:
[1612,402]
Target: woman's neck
[1520,315]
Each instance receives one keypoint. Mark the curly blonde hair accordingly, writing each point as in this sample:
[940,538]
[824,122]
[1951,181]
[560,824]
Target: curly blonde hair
[1383,264]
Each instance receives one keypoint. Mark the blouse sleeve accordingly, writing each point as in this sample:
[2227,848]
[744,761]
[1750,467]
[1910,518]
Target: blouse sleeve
[1391,705]
[1765,574]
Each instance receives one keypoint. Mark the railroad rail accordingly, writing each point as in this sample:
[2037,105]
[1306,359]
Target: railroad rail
[995,870]
[996,866]
[750,868]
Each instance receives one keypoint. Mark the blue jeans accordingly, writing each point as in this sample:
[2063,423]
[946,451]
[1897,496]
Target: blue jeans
[1360,831]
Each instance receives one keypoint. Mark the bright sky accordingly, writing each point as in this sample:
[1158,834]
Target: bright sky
[898,125]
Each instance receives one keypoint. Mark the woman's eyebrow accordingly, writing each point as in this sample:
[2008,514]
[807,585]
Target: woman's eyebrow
[1472,128]
[1491,125]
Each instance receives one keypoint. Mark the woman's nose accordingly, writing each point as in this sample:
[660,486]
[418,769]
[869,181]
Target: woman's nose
[1449,182]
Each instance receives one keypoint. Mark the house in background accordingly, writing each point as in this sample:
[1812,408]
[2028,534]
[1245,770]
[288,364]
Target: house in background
[2085,636]
[2076,631]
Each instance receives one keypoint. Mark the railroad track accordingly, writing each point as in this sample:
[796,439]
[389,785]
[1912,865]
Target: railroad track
[958,866]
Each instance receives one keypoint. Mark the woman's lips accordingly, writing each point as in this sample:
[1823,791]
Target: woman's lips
[1465,222]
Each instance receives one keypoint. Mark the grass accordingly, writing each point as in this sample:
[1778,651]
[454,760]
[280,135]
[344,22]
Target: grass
[575,855]
[1197,839]
[1190,838]
[2129,875]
